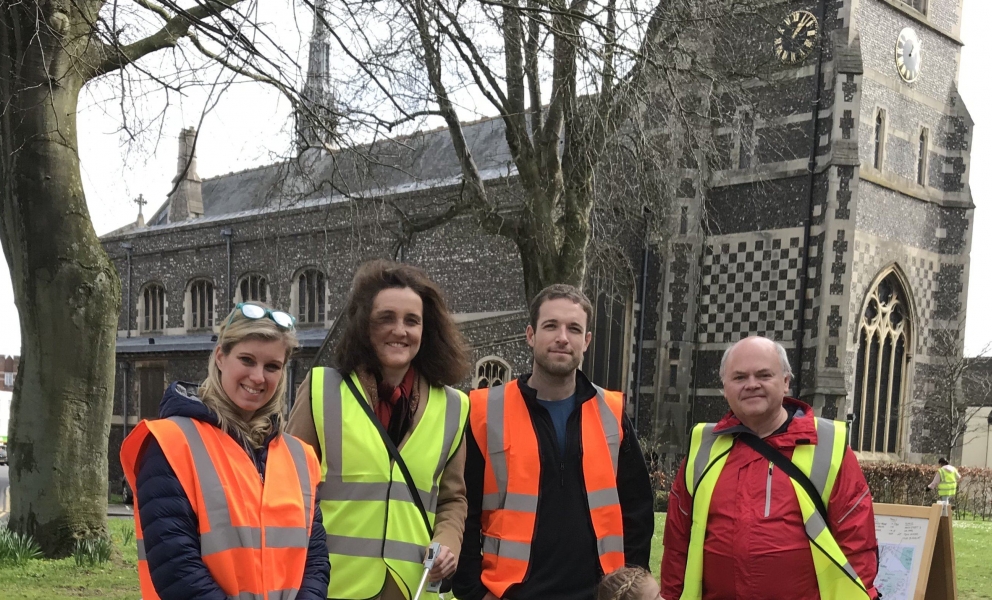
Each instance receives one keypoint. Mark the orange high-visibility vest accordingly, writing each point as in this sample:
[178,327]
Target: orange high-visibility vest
[254,544]
[506,437]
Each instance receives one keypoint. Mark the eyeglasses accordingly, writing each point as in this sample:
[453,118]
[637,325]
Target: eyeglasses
[254,311]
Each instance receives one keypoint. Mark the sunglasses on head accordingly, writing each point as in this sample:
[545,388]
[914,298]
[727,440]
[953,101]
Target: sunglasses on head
[253,311]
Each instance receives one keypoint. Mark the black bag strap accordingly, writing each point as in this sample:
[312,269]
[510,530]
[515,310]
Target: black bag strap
[761,447]
[394,452]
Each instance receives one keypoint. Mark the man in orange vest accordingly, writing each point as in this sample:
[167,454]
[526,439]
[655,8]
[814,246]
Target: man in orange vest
[558,492]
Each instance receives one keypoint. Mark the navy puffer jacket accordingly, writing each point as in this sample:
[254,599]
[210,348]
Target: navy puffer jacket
[171,529]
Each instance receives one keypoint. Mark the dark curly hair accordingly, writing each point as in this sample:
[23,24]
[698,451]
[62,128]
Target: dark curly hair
[443,357]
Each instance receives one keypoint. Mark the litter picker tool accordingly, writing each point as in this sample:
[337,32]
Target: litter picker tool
[432,551]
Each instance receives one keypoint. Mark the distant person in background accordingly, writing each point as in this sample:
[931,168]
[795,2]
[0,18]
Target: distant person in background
[945,481]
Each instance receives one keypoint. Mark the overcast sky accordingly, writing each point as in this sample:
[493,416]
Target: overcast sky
[247,127]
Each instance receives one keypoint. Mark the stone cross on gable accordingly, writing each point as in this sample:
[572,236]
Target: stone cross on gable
[141,202]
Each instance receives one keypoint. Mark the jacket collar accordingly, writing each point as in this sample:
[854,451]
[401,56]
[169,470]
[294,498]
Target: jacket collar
[181,400]
[584,389]
[801,428]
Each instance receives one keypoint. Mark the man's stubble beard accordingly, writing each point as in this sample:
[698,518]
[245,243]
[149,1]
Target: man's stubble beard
[557,369]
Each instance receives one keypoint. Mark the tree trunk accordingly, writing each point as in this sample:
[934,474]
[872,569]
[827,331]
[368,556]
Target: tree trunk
[544,264]
[67,293]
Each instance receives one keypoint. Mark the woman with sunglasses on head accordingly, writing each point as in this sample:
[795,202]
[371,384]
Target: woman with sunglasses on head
[225,501]
[388,396]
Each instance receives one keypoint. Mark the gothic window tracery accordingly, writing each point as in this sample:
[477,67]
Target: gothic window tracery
[491,371]
[882,366]
[201,304]
[310,296]
[253,288]
[151,308]
[919,5]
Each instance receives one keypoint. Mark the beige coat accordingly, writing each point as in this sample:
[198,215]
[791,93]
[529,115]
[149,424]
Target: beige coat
[452,507]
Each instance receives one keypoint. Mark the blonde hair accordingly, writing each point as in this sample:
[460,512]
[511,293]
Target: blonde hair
[623,584]
[238,328]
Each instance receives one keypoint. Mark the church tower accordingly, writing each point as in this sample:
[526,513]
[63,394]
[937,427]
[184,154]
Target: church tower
[316,120]
[837,220]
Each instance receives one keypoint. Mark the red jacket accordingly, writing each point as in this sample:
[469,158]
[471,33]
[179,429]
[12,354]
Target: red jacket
[755,545]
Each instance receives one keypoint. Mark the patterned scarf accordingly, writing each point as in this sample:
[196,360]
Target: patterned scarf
[397,405]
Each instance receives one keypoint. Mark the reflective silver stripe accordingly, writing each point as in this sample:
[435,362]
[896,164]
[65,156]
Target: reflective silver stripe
[822,455]
[299,455]
[333,487]
[333,426]
[141,550]
[706,441]
[353,546]
[452,420]
[272,595]
[286,537]
[605,497]
[494,441]
[227,538]
[338,490]
[610,543]
[518,502]
[815,526]
[405,551]
[506,548]
[222,535]
[401,492]
[611,427]
[247,596]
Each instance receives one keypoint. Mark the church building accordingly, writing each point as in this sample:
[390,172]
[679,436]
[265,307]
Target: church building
[837,220]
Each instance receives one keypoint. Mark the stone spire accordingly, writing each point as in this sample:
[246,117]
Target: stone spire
[186,202]
[315,120]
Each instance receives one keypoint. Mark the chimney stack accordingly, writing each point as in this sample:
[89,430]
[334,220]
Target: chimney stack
[187,201]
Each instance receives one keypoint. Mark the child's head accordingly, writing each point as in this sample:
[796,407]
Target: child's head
[629,583]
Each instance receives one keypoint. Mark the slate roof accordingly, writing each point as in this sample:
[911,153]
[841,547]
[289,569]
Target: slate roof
[421,160]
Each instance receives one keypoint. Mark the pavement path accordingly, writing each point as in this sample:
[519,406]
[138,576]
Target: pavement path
[120,511]
[4,482]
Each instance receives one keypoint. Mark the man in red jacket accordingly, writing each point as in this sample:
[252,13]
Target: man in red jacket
[756,544]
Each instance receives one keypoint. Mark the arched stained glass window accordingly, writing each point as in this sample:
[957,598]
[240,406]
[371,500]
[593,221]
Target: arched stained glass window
[311,290]
[491,371]
[201,304]
[879,384]
[253,288]
[151,310]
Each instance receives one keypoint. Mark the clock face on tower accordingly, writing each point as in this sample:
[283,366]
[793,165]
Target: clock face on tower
[909,55]
[796,37]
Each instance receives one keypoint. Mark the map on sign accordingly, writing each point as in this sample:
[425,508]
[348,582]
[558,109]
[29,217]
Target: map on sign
[901,542]
[895,565]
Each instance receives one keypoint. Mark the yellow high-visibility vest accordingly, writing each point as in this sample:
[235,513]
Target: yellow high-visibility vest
[949,477]
[373,526]
[708,453]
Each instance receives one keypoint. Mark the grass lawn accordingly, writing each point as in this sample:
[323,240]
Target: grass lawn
[62,579]
[117,580]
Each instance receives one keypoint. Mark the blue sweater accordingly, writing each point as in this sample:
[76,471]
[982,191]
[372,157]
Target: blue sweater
[170,527]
